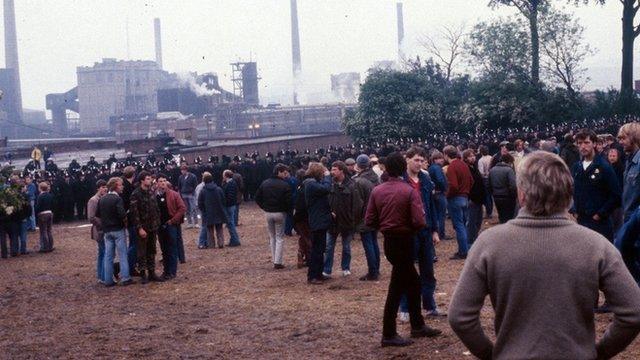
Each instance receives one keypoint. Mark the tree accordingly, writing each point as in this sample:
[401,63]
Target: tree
[563,49]
[630,32]
[530,10]
[395,104]
[445,47]
[500,49]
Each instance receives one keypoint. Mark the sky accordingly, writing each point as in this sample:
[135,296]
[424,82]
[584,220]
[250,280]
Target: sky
[55,37]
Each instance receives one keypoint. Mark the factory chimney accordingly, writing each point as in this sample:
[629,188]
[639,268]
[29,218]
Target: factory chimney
[400,32]
[295,49]
[158,38]
[11,54]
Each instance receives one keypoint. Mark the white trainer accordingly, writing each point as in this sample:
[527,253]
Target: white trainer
[403,317]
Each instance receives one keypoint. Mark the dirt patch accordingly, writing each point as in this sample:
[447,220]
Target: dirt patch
[225,303]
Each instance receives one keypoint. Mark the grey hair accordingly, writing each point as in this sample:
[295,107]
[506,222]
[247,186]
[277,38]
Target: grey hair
[546,182]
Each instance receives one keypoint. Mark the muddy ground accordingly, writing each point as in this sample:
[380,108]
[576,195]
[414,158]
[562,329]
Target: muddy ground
[225,303]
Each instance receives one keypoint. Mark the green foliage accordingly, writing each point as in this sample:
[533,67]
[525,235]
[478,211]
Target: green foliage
[10,200]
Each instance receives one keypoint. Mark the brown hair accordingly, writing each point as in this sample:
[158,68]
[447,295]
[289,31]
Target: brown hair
[451,152]
[415,150]
[228,174]
[466,153]
[546,182]
[129,172]
[113,183]
[43,186]
[341,166]
[315,170]
[207,177]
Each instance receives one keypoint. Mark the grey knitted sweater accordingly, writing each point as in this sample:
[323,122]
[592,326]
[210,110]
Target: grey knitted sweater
[542,275]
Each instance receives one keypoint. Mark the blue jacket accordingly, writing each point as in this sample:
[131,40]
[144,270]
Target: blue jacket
[596,190]
[211,204]
[631,187]
[316,195]
[438,178]
[428,201]
[628,237]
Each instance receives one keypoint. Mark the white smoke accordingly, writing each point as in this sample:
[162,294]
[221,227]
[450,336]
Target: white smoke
[189,79]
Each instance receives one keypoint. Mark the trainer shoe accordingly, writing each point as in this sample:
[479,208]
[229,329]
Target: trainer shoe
[346,272]
[403,317]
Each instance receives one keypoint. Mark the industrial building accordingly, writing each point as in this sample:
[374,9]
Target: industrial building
[11,102]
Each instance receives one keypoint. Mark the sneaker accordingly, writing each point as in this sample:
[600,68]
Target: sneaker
[435,313]
[315,282]
[346,272]
[395,341]
[127,282]
[325,275]
[403,317]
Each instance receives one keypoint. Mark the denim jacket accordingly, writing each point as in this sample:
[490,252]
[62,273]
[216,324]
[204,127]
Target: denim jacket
[631,188]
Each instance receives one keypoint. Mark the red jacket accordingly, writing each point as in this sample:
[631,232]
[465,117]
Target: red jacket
[176,207]
[395,207]
[459,179]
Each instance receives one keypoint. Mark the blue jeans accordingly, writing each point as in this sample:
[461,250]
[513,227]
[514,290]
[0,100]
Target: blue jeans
[288,224]
[202,238]
[32,218]
[371,251]
[115,241]
[234,239]
[424,255]
[459,211]
[237,214]
[441,212]
[132,254]
[474,222]
[24,227]
[168,237]
[192,208]
[488,197]
[331,246]
[100,261]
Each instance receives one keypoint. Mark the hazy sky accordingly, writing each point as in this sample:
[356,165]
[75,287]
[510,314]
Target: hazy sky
[54,37]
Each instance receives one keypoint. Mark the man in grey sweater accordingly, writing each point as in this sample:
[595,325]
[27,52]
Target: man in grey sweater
[543,272]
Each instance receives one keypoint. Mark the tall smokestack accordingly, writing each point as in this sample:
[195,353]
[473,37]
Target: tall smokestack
[400,31]
[295,49]
[11,52]
[158,37]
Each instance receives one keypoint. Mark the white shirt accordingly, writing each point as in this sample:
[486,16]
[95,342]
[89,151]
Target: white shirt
[585,164]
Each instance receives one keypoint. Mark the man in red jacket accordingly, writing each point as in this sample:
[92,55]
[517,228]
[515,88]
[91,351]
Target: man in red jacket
[172,211]
[396,210]
[460,182]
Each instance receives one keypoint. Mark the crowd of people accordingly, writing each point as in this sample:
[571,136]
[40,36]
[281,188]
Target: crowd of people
[403,190]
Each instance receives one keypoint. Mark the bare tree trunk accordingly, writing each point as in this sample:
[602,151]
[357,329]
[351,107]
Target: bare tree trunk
[628,38]
[535,42]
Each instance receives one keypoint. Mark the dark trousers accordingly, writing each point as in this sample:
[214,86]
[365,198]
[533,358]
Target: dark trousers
[304,242]
[318,244]
[404,280]
[146,253]
[4,228]
[474,222]
[180,245]
[506,207]
[168,238]
[45,223]
[488,198]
